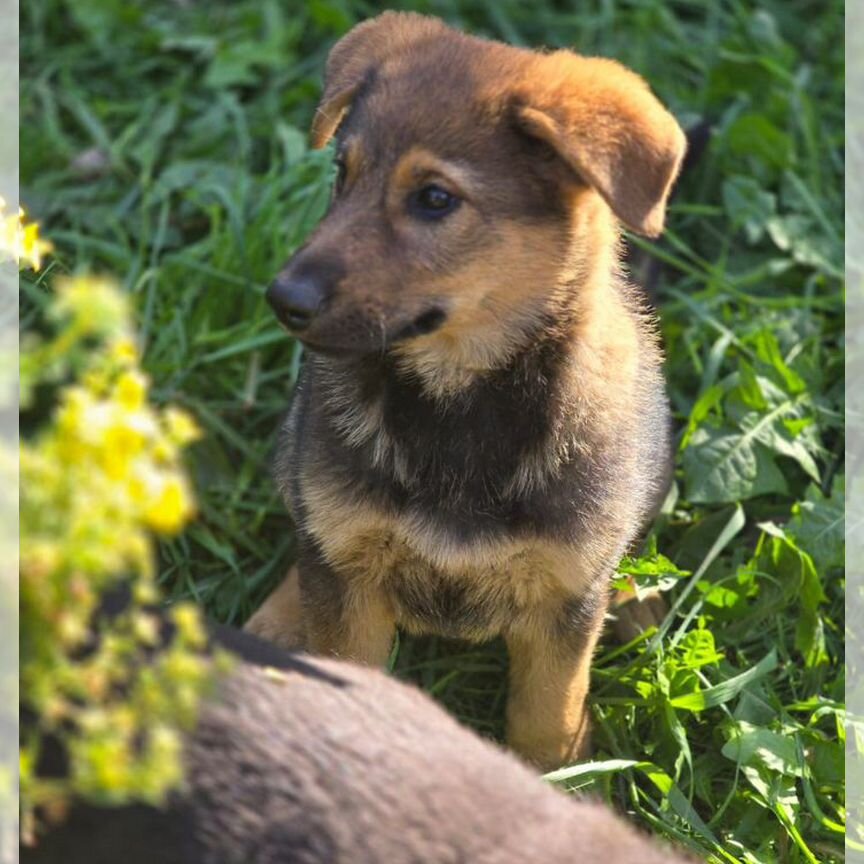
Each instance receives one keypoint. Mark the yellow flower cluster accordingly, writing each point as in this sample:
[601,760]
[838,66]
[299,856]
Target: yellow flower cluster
[20,241]
[101,474]
[119,455]
[128,451]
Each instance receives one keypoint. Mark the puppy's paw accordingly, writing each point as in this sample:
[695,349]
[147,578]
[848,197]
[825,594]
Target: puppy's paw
[548,752]
[280,617]
[633,616]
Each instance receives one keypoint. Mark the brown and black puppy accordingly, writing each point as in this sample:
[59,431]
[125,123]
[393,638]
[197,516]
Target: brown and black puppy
[481,427]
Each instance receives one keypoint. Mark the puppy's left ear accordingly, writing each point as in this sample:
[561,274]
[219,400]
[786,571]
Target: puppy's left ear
[605,123]
[356,56]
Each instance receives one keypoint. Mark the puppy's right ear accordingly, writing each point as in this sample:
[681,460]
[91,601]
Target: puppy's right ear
[609,128]
[354,57]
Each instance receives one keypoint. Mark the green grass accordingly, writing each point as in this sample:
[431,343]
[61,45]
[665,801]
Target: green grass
[723,730]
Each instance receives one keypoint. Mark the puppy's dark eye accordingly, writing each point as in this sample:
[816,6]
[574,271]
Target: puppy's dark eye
[341,173]
[432,202]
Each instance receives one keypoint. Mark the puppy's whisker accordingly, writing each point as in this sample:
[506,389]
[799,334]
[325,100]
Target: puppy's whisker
[382,325]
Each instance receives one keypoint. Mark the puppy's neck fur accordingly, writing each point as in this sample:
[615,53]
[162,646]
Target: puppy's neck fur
[465,447]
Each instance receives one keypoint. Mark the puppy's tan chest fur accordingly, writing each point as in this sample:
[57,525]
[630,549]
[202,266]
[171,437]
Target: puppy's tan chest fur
[472,591]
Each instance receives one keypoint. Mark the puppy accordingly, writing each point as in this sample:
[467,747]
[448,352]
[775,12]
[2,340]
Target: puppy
[481,427]
[325,762]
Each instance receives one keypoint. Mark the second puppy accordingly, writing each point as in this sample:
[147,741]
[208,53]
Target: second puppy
[481,427]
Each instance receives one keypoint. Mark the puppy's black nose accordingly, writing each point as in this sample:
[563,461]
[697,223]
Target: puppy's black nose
[296,300]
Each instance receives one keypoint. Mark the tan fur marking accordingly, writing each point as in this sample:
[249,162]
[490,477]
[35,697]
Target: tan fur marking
[605,122]
[367,543]
[547,720]
[353,158]
[496,300]
[329,115]
[419,166]
[279,619]
[364,631]
[359,421]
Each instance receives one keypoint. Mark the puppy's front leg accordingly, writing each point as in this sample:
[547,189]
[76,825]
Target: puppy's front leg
[350,618]
[279,619]
[547,719]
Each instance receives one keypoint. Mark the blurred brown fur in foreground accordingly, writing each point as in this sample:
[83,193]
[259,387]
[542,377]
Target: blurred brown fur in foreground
[323,762]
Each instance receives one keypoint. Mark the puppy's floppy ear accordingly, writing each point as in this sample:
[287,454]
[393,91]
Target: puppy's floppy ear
[605,123]
[357,54]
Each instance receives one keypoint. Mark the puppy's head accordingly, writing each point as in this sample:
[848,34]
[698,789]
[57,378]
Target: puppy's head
[473,178]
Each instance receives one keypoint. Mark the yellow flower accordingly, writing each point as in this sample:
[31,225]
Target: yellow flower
[140,555]
[145,627]
[94,304]
[123,351]
[163,760]
[169,505]
[26,764]
[145,594]
[71,629]
[105,764]
[165,744]
[188,621]
[33,247]
[19,241]
[96,381]
[181,428]
[40,558]
[131,390]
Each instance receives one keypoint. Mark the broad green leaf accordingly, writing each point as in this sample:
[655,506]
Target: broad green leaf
[777,437]
[768,350]
[723,466]
[797,235]
[777,554]
[754,745]
[699,648]
[749,206]
[749,388]
[818,525]
[755,135]
[727,690]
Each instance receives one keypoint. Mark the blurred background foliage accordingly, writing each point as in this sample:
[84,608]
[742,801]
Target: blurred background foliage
[166,142]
